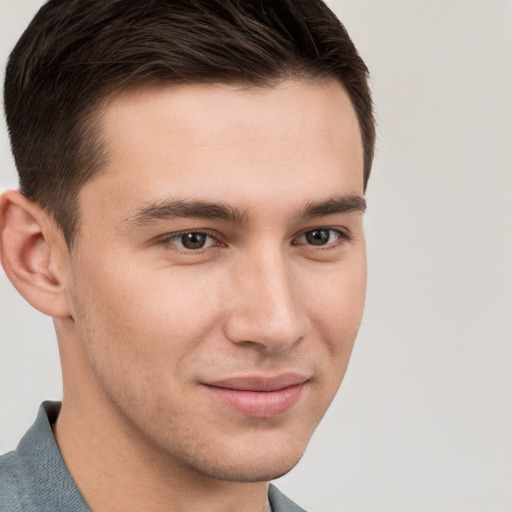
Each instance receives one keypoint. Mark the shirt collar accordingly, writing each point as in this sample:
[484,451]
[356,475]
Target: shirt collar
[46,481]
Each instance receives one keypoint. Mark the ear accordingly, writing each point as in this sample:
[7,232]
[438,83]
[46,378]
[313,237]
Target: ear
[33,254]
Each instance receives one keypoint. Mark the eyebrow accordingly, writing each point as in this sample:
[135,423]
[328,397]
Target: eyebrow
[169,209]
[342,204]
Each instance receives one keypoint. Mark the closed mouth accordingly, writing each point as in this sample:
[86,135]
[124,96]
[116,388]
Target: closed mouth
[259,397]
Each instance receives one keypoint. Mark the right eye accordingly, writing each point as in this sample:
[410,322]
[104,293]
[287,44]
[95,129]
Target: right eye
[191,240]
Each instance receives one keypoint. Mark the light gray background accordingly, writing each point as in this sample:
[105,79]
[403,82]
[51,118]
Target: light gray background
[424,418]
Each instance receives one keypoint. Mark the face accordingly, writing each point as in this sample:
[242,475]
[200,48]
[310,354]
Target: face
[218,277]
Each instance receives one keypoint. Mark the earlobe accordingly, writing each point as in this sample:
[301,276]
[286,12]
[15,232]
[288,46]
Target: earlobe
[32,254]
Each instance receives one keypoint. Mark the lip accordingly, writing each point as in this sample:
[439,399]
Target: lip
[259,397]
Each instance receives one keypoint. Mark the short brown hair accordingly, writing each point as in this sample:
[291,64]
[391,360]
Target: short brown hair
[77,53]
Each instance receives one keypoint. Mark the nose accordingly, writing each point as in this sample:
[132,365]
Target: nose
[265,306]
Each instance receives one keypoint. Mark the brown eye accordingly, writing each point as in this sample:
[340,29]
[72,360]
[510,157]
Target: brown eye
[318,236]
[322,237]
[193,240]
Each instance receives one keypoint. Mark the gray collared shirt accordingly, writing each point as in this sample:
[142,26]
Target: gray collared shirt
[34,477]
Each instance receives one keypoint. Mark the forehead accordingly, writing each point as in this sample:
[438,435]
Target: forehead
[317,100]
[230,113]
[228,143]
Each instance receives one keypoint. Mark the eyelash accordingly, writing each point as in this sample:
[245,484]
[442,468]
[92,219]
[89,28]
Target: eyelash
[343,236]
[177,237]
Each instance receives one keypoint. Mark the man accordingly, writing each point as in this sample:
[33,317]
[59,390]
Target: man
[192,179]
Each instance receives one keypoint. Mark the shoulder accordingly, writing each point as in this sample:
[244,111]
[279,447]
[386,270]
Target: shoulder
[280,503]
[10,477]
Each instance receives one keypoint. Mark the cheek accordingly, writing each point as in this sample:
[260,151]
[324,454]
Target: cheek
[337,295]
[335,312]
[153,299]
[135,321]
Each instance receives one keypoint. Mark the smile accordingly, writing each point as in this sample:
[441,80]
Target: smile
[257,397]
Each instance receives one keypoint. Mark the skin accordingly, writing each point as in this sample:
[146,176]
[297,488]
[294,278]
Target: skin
[145,325]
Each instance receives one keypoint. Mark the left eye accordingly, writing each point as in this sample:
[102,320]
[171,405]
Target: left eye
[321,236]
[192,240]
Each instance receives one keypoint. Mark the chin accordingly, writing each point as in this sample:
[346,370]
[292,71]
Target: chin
[249,470]
[247,457]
